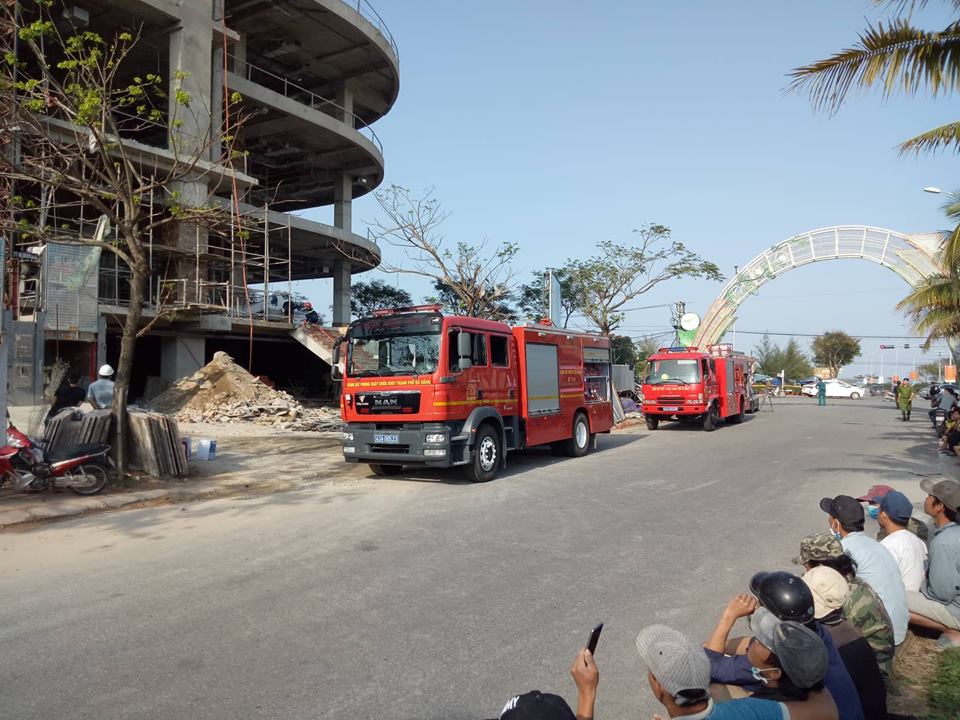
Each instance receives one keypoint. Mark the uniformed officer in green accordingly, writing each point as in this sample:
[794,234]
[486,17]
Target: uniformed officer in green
[821,392]
[905,399]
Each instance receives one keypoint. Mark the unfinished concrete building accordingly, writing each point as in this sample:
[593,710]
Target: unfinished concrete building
[314,76]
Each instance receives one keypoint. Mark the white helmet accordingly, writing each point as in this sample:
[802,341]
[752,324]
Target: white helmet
[105,371]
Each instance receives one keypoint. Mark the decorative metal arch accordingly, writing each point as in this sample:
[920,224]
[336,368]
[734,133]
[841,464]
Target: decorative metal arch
[909,256]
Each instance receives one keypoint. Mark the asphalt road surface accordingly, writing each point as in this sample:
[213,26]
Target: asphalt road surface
[424,597]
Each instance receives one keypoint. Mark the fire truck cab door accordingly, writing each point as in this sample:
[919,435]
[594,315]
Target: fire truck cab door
[471,377]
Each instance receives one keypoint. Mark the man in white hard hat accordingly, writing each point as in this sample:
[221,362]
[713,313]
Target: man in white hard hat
[100,392]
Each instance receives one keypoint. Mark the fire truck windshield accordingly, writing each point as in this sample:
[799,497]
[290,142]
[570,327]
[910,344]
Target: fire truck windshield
[394,345]
[673,370]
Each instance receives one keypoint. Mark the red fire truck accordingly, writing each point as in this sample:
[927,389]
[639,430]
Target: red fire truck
[688,384]
[427,389]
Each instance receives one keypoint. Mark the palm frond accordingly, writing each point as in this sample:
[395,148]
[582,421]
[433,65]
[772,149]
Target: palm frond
[944,136]
[950,252]
[899,56]
[906,7]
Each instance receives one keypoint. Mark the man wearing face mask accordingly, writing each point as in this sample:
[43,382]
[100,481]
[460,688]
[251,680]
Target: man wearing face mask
[787,597]
[910,552]
[875,564]
[872,498]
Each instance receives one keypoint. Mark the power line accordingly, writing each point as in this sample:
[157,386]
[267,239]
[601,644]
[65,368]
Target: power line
[813,335]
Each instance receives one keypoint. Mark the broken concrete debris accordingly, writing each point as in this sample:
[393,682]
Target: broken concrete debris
[223,392]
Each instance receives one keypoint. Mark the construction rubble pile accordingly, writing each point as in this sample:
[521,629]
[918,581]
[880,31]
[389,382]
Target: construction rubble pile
[223,392]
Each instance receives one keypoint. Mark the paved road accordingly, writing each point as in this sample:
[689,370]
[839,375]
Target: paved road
[424,597]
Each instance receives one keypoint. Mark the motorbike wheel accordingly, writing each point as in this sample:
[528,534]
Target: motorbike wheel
[89,479]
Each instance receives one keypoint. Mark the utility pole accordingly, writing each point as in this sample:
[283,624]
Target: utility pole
[679,308]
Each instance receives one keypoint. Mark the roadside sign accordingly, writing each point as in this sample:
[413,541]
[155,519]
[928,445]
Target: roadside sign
[906,346]
[950,373]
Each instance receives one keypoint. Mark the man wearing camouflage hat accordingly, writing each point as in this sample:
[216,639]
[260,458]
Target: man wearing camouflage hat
[863,606]
[937,605]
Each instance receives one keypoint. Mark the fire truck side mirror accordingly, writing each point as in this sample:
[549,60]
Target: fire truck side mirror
[464,350]
[335,371]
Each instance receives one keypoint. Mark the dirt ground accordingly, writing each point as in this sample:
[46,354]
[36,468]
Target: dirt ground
[914,668]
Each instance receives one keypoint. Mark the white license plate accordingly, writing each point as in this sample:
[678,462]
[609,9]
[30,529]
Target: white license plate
[391,439]
[671,409]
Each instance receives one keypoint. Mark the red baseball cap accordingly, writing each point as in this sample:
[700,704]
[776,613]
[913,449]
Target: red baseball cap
[875,492]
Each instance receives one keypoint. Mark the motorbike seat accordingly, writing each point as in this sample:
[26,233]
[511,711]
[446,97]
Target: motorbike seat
[72,451]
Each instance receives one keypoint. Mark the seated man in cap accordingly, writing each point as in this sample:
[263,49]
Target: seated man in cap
[679,676]
[874,562]
[909,551]
[937,605]
[830,591]
[872,498]
[863,606]
[788,599]
[536,705]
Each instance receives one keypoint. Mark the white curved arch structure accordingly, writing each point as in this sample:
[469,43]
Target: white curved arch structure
[909,256]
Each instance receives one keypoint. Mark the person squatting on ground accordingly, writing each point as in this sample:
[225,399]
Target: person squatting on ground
[830,591]
[872,498]
[678,673]
[937,605]
[788,598]
[951,434]
[875,564]
[905,400]
[863,606]
[893,514]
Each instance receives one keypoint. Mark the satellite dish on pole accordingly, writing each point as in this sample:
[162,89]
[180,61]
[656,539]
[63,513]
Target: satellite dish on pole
[689,321]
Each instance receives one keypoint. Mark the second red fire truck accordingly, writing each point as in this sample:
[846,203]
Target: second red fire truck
[426,389]
[692,385]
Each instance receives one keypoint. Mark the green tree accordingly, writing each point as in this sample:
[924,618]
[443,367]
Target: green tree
[929,370]
[623,350]
[645,348]
[474,279]
[896,57]
[533,297]
[619,273]
[834,349]
[376,295]
[772,359]
[71,101]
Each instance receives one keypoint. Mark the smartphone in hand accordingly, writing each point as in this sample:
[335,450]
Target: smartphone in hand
[594,638]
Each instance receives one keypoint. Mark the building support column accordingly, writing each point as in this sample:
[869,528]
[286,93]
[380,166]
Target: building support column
[181,356]
[343,203]
[345,100]
[341,293]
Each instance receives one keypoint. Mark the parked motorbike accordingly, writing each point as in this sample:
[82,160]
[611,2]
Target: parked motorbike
[940,422]
[31,468]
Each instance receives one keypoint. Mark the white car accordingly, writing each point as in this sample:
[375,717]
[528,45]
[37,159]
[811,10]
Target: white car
[835,389]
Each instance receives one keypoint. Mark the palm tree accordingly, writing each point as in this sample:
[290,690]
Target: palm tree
[898,57]
[934,306]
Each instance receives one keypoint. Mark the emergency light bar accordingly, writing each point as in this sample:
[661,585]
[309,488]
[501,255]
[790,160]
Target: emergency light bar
[409,309]
[678,349]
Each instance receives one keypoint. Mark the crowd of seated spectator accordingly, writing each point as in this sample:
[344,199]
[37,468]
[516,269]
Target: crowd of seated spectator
[820,645]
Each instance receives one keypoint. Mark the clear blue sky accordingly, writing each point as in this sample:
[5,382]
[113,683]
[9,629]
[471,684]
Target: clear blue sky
[557,124]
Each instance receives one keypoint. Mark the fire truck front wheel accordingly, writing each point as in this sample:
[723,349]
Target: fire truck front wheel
[579,444]
[711,419]
[486,458]
[652,422]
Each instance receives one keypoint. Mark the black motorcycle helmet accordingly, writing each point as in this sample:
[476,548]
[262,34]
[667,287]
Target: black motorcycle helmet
[783,594]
